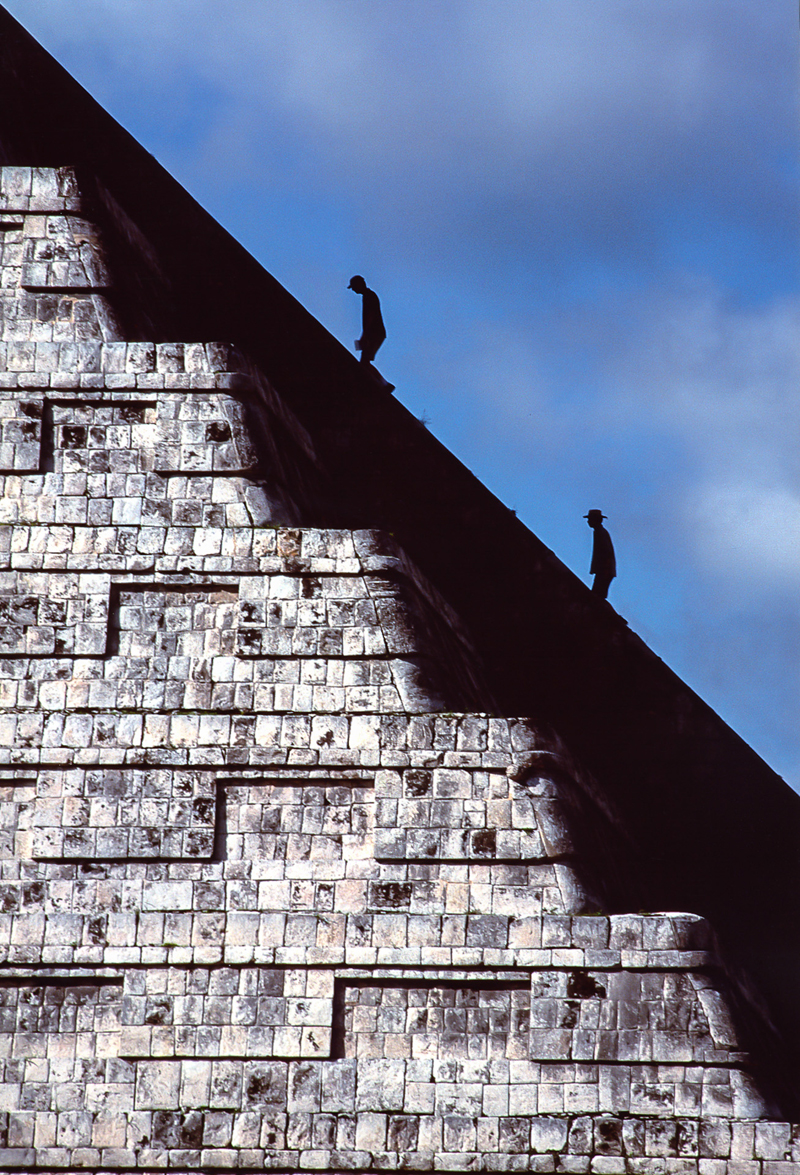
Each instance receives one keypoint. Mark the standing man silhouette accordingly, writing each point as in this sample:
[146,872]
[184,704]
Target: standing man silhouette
[373,332]
[604,564]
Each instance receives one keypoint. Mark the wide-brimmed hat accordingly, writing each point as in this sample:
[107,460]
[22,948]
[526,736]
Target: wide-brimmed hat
[596,514]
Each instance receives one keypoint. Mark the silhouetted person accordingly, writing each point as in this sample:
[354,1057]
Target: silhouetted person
[373,332]
[604,565]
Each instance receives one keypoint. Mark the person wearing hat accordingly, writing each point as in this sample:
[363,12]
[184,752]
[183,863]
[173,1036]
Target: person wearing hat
[604,564]
[373,332]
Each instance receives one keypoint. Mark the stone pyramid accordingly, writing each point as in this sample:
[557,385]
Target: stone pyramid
[336,814]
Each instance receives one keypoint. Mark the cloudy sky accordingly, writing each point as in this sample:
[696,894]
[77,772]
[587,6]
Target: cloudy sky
[581,218]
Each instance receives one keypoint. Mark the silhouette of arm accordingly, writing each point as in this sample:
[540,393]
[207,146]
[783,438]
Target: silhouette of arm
[603,559]
[372,319]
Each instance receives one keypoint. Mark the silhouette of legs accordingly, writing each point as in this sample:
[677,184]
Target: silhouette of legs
[601,585]
[369,350]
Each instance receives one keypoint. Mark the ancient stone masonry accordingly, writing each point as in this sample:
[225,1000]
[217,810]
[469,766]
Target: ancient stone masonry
[279,889]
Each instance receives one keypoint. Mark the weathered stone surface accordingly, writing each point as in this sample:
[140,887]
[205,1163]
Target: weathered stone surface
[271,895]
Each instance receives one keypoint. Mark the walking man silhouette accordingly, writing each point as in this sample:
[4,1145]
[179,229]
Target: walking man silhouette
[604,564]
[373,332]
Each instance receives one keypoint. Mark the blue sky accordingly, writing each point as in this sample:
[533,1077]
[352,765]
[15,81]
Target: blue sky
[581,219]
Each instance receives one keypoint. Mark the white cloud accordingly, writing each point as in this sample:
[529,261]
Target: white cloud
[724,384]
[749,533]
